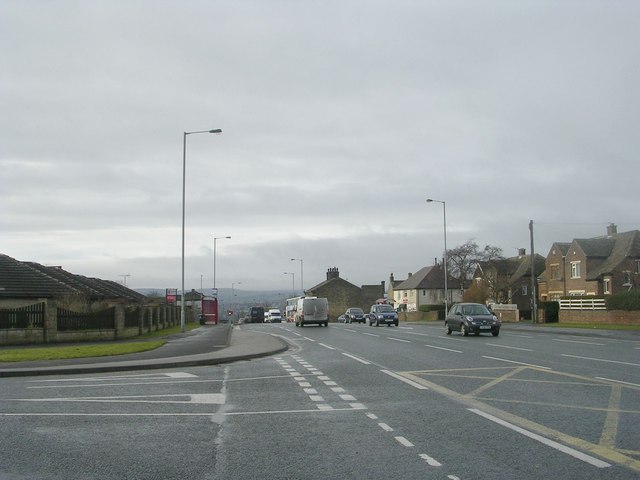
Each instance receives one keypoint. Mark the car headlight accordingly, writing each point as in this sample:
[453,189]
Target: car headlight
[470,319]
[380,317]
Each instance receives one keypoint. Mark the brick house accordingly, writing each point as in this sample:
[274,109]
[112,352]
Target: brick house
[342,294]
[592,266]
[509,279]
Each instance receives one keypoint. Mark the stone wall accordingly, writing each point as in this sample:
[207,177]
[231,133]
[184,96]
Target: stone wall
[157,317]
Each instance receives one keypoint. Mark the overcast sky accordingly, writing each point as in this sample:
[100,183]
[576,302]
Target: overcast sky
[340,118]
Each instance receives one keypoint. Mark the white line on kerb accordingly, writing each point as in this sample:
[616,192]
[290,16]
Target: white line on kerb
[550,443]
[356,358]
[405,380]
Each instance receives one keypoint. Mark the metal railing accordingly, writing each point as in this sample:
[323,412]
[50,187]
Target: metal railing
[102,320]
[31,316]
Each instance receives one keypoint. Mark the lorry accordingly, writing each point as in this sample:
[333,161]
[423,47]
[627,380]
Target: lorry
[312,310]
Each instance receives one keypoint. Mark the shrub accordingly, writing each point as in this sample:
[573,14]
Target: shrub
[629,300]
[551,310]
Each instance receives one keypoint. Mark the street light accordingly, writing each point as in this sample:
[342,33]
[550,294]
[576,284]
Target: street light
[301,274]
[214,258]
[184,183]
[446,293]
[293,282]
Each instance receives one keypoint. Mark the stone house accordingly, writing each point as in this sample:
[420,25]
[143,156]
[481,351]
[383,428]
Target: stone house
[593,266]
[342,294]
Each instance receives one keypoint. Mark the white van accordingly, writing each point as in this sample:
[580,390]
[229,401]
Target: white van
[273,316]
[312,310]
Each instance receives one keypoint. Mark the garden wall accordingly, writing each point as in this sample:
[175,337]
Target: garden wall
[613,317]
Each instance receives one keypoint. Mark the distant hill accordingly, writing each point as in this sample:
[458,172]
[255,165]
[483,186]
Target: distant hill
[243,298]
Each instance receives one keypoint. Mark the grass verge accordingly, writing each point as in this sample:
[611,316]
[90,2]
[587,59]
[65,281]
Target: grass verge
[76,351]
[61,352]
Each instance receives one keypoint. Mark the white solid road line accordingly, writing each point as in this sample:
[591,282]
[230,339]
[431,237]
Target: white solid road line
[602,360]
[507,346]
[550,443]
[405,380]
[517,363]
[442,348]
[576,341]
[399,340]
[356,358]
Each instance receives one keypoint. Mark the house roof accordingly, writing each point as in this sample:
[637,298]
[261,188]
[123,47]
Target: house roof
[32,280]
[514,268]
[562,246]
[596,247]
[327,282]
[620,245]
[427,278]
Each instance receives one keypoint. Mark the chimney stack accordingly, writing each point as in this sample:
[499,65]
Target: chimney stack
[333,273]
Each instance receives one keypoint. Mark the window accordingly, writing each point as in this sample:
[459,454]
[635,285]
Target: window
[524,290]
[555,272]
[606,286]
[627,278]
[575,269]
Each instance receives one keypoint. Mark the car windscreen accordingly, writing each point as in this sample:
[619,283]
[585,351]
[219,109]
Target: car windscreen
[385,308]
[475,310]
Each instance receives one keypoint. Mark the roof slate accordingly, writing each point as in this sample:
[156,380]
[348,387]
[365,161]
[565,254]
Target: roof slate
[33,280]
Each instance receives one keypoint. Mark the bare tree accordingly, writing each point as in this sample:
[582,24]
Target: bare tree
[462,260]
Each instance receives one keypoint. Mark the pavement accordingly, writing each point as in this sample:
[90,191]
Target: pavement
[206,345]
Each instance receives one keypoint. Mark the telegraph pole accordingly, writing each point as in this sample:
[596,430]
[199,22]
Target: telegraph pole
[534,296]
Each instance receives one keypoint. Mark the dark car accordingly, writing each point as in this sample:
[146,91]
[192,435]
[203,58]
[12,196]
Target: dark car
[471,318]
[355,315]
[383,314]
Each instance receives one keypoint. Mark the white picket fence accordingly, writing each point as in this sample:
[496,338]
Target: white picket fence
[583,304]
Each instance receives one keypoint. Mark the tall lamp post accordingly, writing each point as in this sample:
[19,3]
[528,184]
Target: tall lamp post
[184,183]
[293,282]
[215,239]
[301,274]
[446,293]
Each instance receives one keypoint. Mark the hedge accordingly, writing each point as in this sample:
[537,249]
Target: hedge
[628,301]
